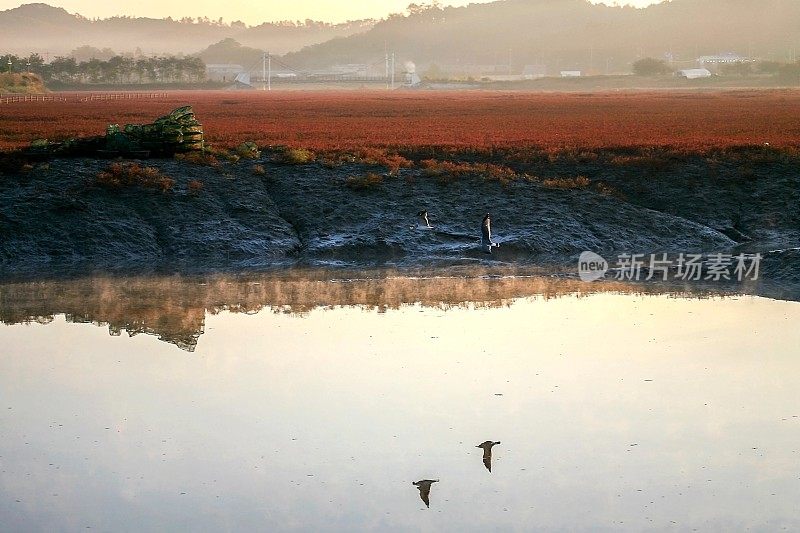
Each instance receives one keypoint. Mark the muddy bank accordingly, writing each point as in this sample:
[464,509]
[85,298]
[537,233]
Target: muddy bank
[57,219]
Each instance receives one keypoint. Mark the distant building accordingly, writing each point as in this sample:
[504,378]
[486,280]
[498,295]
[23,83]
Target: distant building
[713,63]
[223,71]
[721,59]
[474,70]
[502,77]
[694,73]
[571,73]
[532,72]
[355,70]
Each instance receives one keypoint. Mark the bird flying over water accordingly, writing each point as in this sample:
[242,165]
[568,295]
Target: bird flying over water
[424,486]
[487,453]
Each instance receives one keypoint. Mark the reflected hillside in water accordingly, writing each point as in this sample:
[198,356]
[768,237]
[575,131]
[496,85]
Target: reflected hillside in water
[174,308]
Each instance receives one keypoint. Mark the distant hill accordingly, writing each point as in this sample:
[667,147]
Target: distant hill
[49,30]
[569,34]
[231,51]
[280,38]
[504,35]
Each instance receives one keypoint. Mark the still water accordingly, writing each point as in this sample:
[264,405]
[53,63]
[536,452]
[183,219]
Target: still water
[255,405]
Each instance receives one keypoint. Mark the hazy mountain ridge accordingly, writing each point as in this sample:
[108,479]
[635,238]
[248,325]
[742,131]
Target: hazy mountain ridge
[54,31]
[570,34]
[506,34]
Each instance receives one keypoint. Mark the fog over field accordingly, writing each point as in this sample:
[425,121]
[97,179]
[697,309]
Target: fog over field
[561,34]
[266,11]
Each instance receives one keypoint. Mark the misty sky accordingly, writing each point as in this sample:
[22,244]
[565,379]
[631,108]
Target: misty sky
[248,11]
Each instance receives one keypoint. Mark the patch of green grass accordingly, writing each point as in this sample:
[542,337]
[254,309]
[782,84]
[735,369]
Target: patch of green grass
[447,171]
[247,150]
[296,156]
[194,186]
[120,175]
[203,158]
[364,182]
[578,182]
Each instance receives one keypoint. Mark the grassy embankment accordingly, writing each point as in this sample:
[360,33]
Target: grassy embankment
[24,83]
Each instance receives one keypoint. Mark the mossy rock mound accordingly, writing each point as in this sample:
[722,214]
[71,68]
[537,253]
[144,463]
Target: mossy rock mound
[177,132]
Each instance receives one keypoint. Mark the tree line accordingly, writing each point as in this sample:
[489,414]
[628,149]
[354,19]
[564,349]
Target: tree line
[115,70]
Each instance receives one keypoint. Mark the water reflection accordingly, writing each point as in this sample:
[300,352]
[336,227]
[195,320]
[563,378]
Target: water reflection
[616,411]
[487,453]
[424,487]
[175,308]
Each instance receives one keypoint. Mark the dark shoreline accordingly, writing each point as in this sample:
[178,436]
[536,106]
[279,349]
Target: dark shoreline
[255,216]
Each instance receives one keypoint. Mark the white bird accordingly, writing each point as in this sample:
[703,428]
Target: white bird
[486,234]
[422,220]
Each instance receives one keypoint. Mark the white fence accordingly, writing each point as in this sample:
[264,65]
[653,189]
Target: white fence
[78,97]
[120,96]
[12,99]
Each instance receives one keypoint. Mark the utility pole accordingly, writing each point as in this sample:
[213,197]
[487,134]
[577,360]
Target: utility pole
[264,71]
[387,71]
[269,71]
[393,69]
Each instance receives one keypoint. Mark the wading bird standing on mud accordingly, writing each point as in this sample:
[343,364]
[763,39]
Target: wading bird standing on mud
[486,234]
[422,220]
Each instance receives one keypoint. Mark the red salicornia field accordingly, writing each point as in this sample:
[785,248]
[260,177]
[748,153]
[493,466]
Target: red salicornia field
[359,119]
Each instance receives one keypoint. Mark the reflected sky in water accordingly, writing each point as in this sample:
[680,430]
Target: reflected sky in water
[613,411]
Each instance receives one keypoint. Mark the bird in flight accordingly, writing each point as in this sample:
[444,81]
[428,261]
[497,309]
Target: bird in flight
[424,486]
[487,453]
